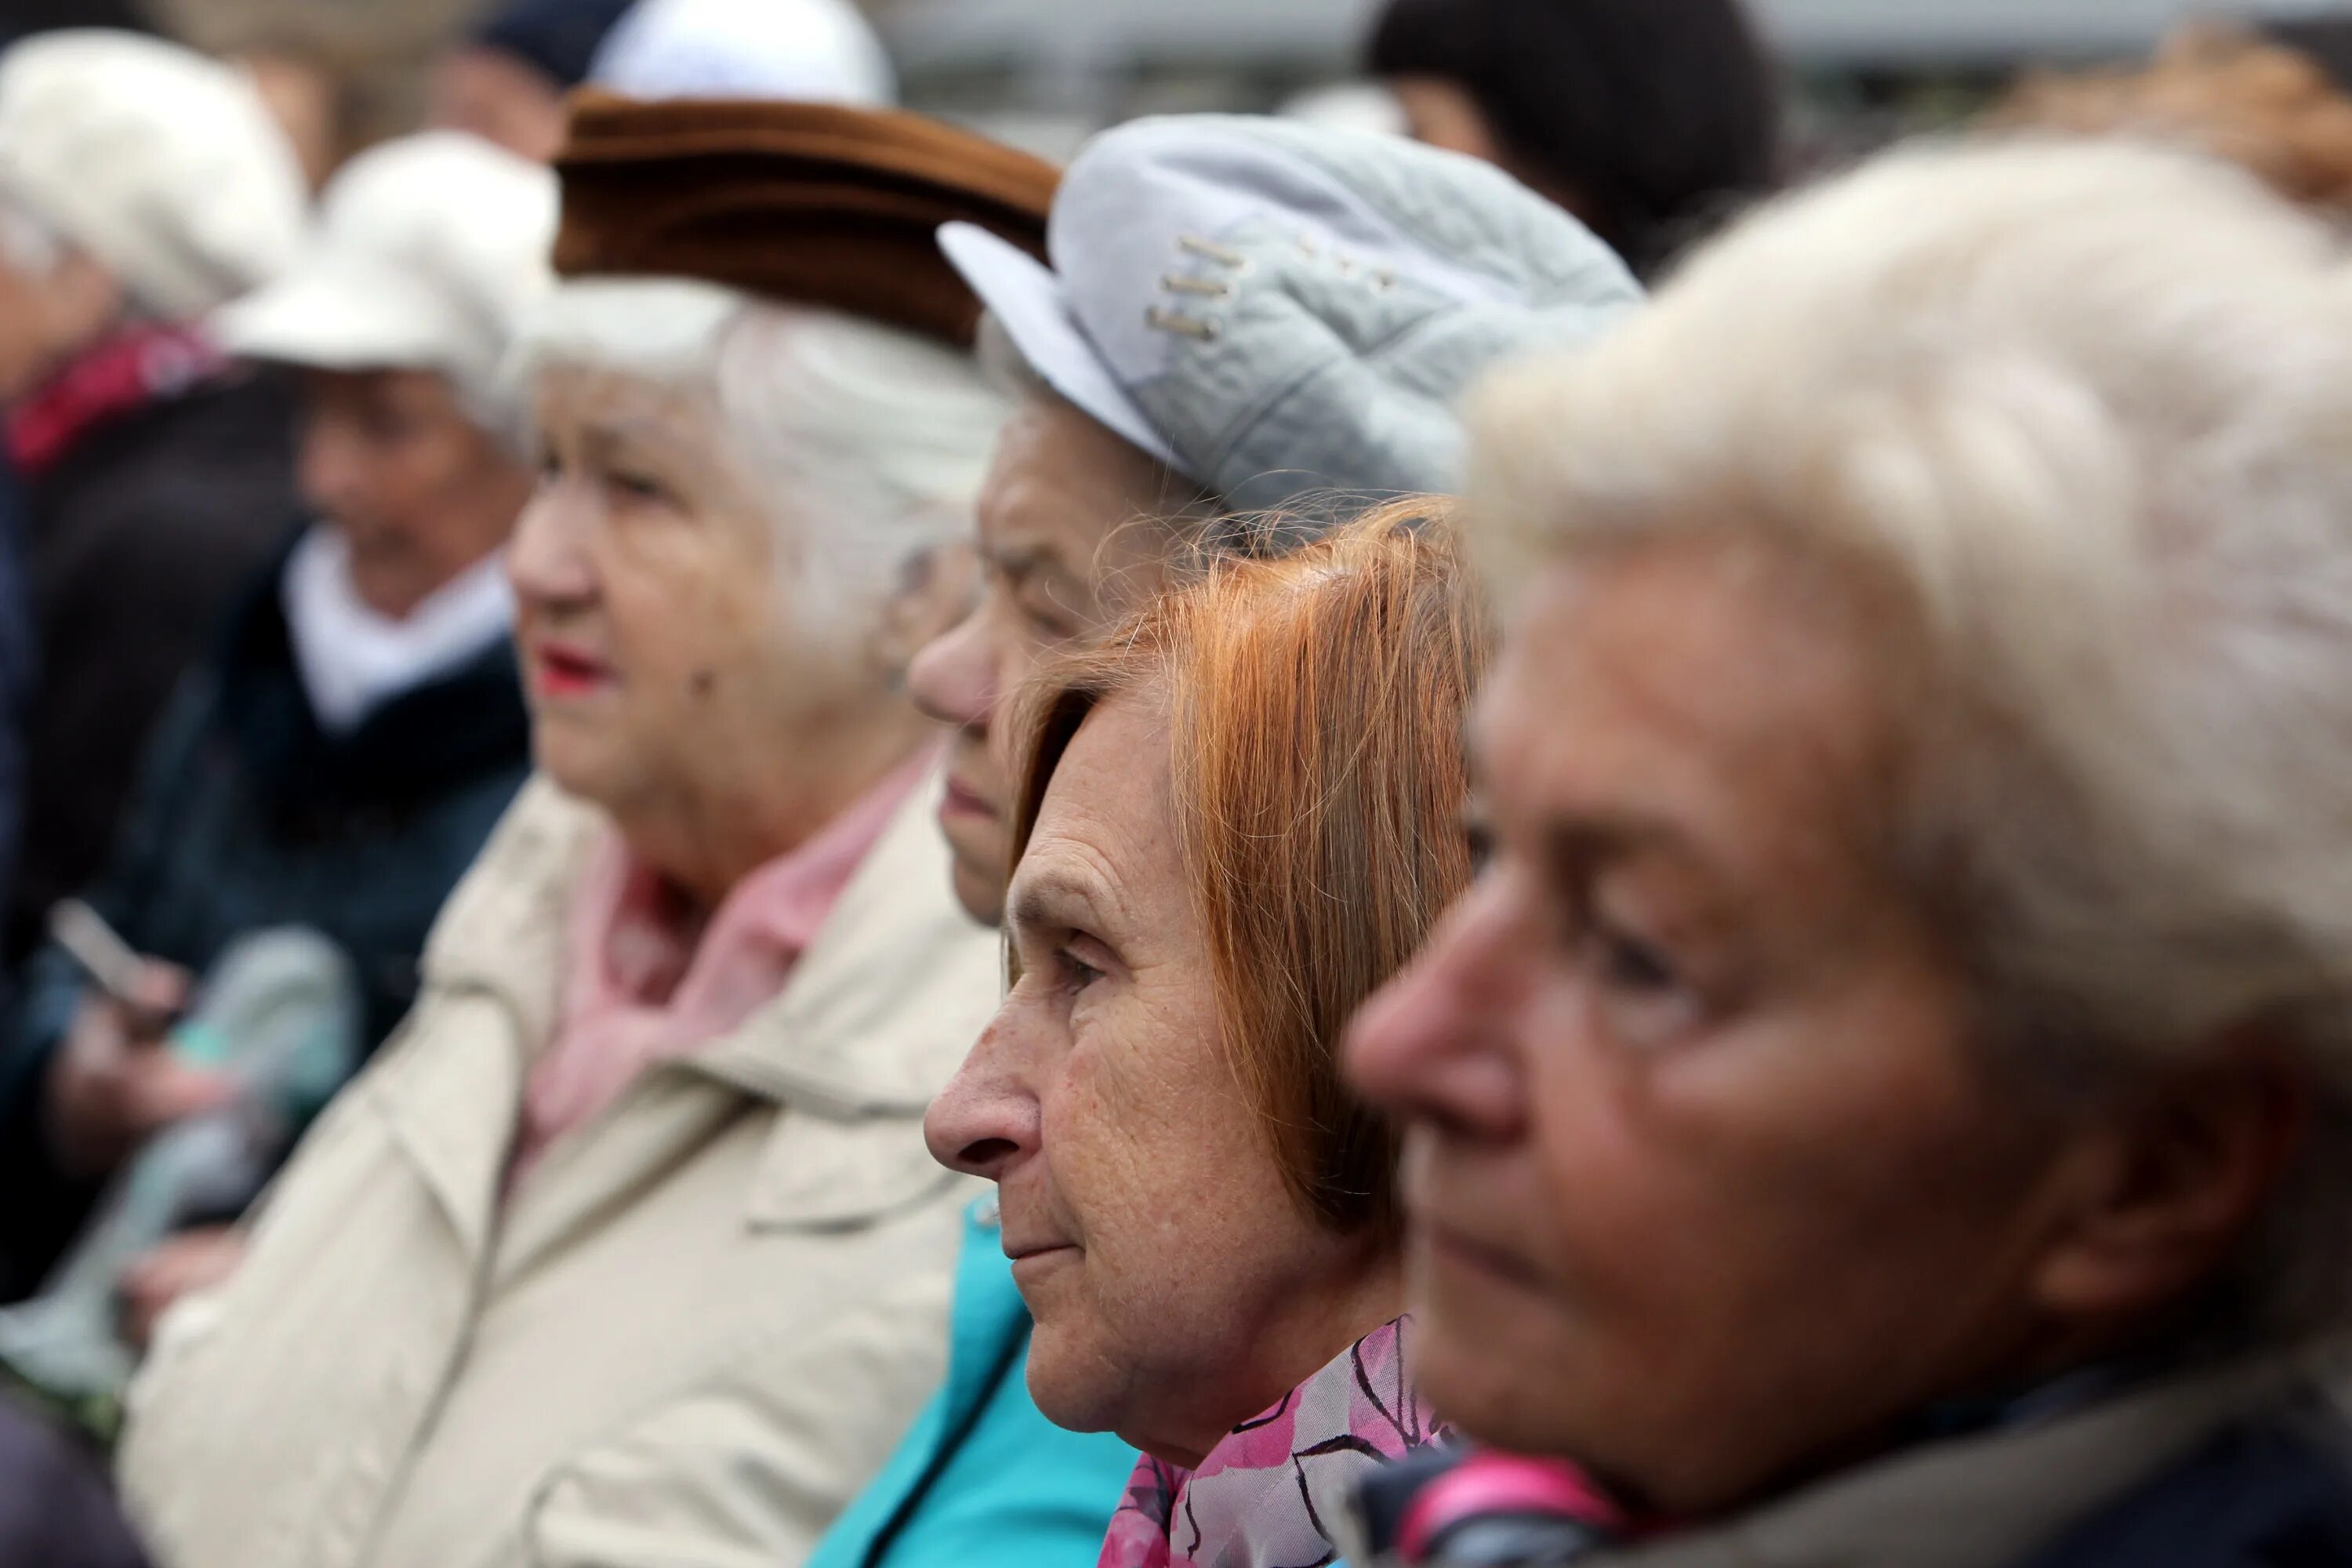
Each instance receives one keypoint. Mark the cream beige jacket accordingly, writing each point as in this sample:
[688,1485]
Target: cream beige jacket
[691,1337]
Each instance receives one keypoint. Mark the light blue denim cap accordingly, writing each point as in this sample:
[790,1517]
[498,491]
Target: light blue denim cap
[1280,311]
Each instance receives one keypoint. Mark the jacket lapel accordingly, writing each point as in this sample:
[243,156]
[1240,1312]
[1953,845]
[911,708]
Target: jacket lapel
[491,968]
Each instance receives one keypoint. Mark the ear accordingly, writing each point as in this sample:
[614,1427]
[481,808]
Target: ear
[935,592]
[2172,1182]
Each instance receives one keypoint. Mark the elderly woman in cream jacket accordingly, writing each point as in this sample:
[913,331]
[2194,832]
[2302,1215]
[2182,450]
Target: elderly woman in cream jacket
[628,1249]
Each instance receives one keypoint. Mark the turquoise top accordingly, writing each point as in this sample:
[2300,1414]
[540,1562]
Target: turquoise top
[981,1479]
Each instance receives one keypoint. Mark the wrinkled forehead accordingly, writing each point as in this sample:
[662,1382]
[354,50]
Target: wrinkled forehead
[1104,835]
[1063,488]
[1730,698]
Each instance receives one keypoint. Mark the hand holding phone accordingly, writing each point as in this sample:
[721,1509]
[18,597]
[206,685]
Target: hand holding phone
[115,1082]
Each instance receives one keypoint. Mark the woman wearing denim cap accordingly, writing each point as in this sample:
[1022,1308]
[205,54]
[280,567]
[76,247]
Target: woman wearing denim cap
[1238,315]
[629,1250]
[1236,818]
[1888,1099]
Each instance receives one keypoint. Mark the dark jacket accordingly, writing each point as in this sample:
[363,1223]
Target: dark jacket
[250,815]
[137,541]
[55,1509]
[2268,1494]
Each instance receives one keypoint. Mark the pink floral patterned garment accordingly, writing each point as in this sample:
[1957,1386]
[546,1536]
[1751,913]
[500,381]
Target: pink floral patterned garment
[1267,1496]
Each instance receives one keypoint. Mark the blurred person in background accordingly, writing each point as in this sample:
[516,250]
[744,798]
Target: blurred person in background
[1202,339]
[1888,1099]
[1652,120]
[142,187]
[2259,101]
[1200,1213]
[812,51]
[630,1251]
[340,762]
[505,81]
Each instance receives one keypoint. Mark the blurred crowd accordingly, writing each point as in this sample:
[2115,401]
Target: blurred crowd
[1458,829]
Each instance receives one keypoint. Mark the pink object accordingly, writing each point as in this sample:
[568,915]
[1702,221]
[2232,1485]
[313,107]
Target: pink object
[1486,1484]
[1249,1504]
[647,983]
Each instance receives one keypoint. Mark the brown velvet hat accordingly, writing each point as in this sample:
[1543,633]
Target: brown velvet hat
[813,203]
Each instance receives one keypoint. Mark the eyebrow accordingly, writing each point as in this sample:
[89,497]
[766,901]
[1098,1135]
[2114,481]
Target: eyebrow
[1053,898]
[1573,845]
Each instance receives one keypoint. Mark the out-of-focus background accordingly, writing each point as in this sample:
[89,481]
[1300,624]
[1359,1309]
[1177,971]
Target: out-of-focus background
[1044,72]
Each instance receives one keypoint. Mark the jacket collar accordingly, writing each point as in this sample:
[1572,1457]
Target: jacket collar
[467,723]
[855,1030]
[1989,1501]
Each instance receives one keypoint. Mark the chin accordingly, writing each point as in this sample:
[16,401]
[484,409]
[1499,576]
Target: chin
[579,765]
[980,893]
[1068,1384]
[1472,1354]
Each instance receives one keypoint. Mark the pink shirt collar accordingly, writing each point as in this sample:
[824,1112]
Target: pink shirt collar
[643,986]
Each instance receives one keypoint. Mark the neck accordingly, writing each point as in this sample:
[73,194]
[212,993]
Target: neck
[1314,1329]
[707,836]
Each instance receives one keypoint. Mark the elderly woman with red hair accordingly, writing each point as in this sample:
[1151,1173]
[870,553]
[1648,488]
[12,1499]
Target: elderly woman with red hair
[1236,818]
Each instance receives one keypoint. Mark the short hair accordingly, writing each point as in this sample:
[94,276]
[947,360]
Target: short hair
[2079,413]
[870,443]
[1661,116]
[1316,704]
[2268,106]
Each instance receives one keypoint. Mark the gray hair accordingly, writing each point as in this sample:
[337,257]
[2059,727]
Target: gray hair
[2088,410]
[867,443]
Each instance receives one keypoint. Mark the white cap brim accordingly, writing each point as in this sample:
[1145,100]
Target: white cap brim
[341,317]
[1026,299]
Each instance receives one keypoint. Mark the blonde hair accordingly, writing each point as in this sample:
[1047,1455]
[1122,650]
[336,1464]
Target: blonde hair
[2268,108]
[1316,703]
[2086,409]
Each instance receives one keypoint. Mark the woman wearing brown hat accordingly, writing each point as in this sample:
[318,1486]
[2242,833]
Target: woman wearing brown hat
[629,1250]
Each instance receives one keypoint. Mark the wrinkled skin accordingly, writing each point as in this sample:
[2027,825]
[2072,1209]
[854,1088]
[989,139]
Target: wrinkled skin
[1179,1288]
[1710,1182]
[1071,535]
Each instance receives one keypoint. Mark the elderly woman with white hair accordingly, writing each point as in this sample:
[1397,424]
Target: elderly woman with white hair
[628,1250]
[1888,1100]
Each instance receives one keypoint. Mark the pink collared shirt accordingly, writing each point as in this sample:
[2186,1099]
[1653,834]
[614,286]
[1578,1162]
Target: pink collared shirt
[646,983]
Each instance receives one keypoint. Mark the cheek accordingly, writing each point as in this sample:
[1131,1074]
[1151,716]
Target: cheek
[1167,1183]
[689,623]
[1800,1168]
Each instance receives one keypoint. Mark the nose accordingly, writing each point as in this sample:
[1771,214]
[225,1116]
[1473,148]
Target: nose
[953,678]
[546,560]
[330,468]
[986,1121]
[1435,1044]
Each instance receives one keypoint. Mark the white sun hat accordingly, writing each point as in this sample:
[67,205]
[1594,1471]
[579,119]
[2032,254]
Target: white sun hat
[163,166]
[428,254]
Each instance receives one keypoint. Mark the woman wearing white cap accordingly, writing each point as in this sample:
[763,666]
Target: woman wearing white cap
[340,762]
[141,186]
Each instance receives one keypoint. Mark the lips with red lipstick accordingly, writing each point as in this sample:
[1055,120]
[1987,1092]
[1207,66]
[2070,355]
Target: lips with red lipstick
[566,669]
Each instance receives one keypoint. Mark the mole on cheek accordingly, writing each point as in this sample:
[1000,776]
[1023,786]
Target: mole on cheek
[703,682]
